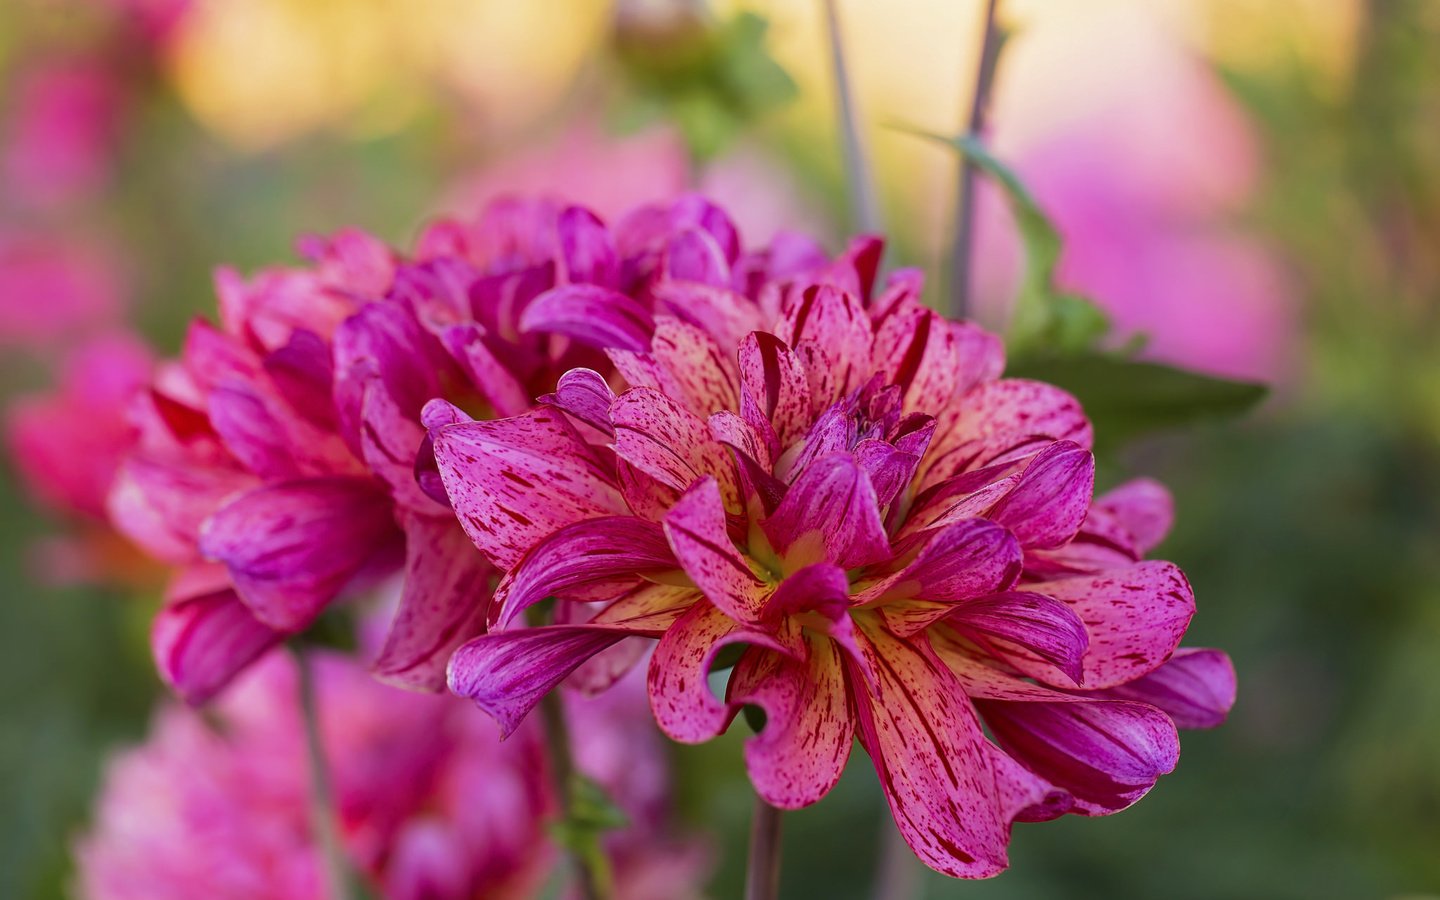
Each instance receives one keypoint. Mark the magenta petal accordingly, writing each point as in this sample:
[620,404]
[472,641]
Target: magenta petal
[1196,688]
[514,481]
[291,547]
[610,549]
[1135,618]
[680,696]
[592,315]
[160,504]
[922,734]
[775,377]
[1000,420]
[487,371]
[1038,635]
[1106,753]
[920,353]
[507,673]
[890,469]
[971,558]
[695,527]
[1050,502]
[587,252]
[663,439]
[444,602]
[801,752]
[390,444]
[251,432]
[1143,507]
[830,334]
[695,255]
[584,394]
[830,513]
[822,588]
[204,639]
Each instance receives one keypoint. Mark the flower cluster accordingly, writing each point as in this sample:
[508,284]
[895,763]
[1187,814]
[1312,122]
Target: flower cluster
[763,460]
[431,803]
[836,479]
[276,458]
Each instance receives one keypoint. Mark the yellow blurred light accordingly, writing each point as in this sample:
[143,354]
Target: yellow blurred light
[260,72]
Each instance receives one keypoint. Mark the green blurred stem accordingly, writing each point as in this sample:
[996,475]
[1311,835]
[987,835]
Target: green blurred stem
[864,208]
[897,876]
[338,876]
[583,845]
[762,877]
[963,250]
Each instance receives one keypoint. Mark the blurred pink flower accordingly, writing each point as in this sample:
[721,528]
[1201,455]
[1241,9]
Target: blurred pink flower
[283,444]
[612,174]
[61,131]
[1147,193]
[68,442]
[836,477]
[430,803]
[54,290]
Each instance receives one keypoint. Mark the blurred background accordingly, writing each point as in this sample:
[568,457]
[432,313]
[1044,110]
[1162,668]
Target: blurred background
[1252,187]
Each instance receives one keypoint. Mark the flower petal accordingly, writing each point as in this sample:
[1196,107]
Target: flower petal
[776,378]
[658,436]
[507,673]
[971,558]
[1038,635]
[204,637]
[513,481]
[443,603]
[830,513]
[291,547]
[830,334]
[684,363]
[1108,754]
[680,696]
[587,252]
[602,551]
[695,527]
[930,754]
[1144,507]
[1135,618]
[584,394]
[801,752]
[161,503]
[593,315]
[1195,687]
[1049,503]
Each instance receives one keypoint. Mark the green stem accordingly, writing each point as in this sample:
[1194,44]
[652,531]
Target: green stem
[963,249]
[762,877]
[582,845]
[864,208]
[338,876]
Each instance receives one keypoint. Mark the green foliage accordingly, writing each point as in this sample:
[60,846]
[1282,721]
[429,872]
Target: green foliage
[590,812]
[1127,398]
[708,78]
[1057,336]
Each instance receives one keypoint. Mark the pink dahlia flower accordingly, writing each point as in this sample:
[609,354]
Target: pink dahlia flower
[430,803]
[62,131]
[836,480]
[276,465]
[67,444]
[53,291]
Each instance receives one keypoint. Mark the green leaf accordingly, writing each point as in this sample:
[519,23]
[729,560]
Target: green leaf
[1127,398]
[1045,318]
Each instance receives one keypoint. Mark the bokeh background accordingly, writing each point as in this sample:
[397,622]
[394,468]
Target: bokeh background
[1253,186]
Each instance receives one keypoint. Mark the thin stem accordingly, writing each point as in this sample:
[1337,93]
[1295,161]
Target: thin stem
[762,878]
[962,251]
[898,875]
[864,208]
[322,796]
[592,880]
